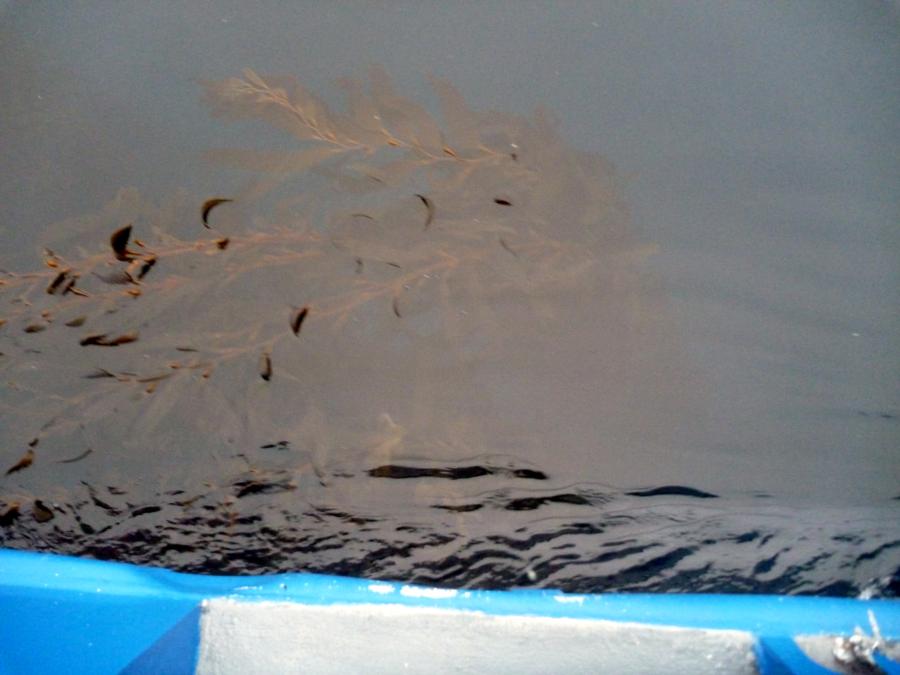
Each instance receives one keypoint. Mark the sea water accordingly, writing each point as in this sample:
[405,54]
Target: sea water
[641,339]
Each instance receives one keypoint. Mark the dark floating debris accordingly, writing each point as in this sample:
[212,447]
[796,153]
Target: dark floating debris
[26,461]
[76,322]
[146,266]
[395,305]
[58,281]
[99,374]
[531,503]
[109,508]
[531,474]
[280,445]
[222,243]
[9,516]
[119,243]
[254,487]
[297,319]
[673,490]
[77,458]
[143,510]
[101,340]
[429,206]
[41,511]
[502,202]
[35,327]
[265,366]
[208,206]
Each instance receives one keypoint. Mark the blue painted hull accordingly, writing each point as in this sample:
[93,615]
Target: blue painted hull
[60,614]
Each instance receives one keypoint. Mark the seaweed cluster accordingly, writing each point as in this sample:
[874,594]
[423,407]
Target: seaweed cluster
[177,342]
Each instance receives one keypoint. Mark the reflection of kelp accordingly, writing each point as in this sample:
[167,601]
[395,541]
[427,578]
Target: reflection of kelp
[405,260]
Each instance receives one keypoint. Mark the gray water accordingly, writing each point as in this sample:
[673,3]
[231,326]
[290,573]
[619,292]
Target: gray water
[643,338]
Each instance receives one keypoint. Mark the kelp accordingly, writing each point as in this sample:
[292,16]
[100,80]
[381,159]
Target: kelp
[412,253]
[209,205]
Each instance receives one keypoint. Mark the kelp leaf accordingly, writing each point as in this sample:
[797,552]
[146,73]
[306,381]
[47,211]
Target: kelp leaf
[265,366]
[429,208]
[24,462]
[119,243]
[297,318]
[77,458]
[209,205]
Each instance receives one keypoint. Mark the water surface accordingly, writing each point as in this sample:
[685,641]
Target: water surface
[517,365]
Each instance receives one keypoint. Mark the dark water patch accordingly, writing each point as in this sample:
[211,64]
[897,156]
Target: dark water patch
[256,487]
[462,508]
[532,503]
[531,474]
[454,473]
[674,490]
[400,472]
[871,555]
[746,537]
[764,566]
[878,414]
[280,445]
[586,540]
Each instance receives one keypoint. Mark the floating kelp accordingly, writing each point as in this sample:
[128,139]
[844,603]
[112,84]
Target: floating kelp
[142,267]
[103,340]
[468,288]
[265,366]
[429,208]
[208,206]
[76,458]
[24,462]
[119,243]
[297,318]
[41,512]
[58,281]
[9,513]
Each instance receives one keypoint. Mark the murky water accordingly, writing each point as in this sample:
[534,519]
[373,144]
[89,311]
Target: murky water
[404,337]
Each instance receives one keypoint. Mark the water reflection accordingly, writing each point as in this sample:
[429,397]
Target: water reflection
[304,375]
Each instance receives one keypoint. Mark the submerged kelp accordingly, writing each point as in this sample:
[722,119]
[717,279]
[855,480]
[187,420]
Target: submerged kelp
[436,249]
[402,336]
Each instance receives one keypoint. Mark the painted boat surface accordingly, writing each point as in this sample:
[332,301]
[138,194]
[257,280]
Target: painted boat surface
[67,615]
